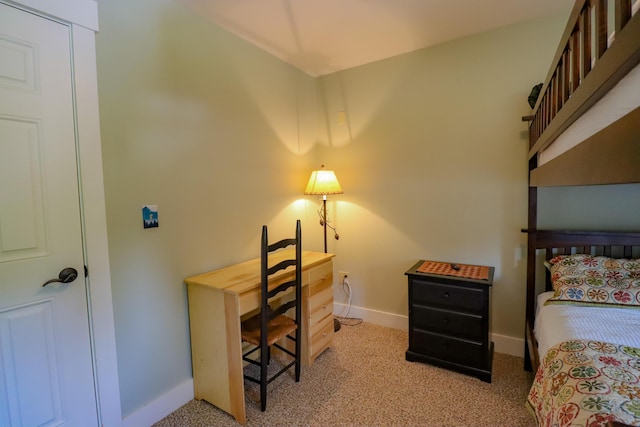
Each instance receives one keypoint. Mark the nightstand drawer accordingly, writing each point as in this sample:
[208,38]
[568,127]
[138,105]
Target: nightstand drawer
[320,275]
[319,285]
[321,337]
[448,295]
[444,347]
[320,306]
[447,321]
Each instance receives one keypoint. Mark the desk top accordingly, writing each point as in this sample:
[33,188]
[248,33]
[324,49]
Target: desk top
[245,276]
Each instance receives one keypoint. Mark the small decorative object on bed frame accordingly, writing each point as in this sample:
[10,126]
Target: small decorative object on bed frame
[587,365]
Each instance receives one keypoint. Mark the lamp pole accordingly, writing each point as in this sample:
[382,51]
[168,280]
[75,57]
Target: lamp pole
[322,182]
[324,220]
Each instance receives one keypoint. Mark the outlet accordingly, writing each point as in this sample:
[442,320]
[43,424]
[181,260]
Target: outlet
[342,275]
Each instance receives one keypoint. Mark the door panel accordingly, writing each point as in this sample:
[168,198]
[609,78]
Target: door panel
[17,68]
[46,372]
[21,210]
[32,386]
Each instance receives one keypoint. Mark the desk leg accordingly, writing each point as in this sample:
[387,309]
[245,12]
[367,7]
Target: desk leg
[216,349]
[234,354]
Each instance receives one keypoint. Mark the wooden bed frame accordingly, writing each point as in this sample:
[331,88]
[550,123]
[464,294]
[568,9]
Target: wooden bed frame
[549,243]
[579,77]
[585,67]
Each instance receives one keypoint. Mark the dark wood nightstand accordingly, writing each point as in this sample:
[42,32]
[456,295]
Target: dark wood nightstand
[449,318]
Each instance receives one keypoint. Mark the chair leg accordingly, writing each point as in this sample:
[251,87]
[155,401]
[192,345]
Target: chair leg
[263,396]
[298,353]
[264,362]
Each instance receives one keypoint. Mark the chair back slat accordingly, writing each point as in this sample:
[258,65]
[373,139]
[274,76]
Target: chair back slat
[281,309]
[281,266]
[283,287]
[281,244]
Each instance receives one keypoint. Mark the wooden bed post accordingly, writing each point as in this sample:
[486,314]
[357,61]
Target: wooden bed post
[532,224]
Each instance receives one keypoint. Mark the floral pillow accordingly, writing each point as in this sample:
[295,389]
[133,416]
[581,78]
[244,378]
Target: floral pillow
[595,280]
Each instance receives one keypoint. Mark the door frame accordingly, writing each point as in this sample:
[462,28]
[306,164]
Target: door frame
[82,18]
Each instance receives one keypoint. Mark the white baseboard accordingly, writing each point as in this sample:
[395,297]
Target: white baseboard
[382,318]
[159,408]
[508,345]
[502,343]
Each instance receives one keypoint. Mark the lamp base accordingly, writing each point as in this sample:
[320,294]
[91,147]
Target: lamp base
[336,325]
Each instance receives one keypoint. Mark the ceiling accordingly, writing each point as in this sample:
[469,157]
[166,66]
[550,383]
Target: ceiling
[324,36]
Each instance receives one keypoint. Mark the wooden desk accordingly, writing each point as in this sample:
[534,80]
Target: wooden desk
[217,302]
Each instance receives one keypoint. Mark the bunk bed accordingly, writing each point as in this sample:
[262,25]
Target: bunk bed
[585,130]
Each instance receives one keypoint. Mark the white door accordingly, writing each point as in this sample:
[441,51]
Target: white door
[46,375]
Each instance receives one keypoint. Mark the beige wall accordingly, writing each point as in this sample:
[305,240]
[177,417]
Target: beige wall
[222,137]
[205,126]
[600,207]
[433,163]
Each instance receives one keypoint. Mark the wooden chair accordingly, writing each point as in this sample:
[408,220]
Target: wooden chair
[271,325]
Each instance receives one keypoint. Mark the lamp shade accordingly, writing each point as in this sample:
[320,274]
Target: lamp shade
[323,182]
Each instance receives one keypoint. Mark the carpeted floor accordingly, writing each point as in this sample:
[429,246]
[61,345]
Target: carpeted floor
[364,380]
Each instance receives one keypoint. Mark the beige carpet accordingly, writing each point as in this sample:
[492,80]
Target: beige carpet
[364,380]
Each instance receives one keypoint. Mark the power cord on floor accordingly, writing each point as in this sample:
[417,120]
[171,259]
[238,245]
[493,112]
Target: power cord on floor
[345,319]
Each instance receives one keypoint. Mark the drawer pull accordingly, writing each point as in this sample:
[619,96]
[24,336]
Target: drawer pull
[446,294]
[324,334]
[445,320]
[324,307]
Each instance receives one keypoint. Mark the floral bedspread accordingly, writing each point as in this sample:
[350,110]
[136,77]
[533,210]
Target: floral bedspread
[587,383]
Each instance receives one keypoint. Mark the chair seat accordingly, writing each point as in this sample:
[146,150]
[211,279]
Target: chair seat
[278,328]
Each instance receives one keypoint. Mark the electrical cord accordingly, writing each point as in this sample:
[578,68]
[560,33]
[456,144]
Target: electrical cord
[345,319]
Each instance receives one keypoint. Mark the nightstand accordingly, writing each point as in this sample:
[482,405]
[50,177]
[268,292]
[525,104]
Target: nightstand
[449,317]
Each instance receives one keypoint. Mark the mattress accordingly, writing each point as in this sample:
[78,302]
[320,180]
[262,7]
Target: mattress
[558,323]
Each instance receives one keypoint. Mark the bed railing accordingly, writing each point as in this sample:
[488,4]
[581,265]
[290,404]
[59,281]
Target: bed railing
[586,66]
[616,244]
